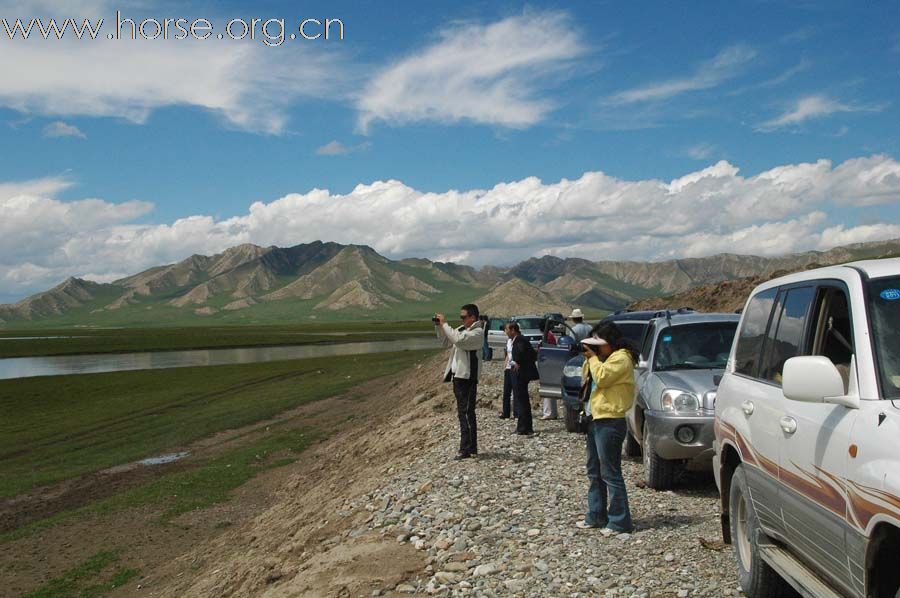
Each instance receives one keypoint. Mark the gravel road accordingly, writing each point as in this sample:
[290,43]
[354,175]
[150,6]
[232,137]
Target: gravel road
[503,524]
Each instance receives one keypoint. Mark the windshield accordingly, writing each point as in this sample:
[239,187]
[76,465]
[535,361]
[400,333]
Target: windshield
[529,323]
[694,346]
[884,314]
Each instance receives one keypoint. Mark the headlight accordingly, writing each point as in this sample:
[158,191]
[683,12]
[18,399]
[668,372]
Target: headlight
[572,371]
[679,400]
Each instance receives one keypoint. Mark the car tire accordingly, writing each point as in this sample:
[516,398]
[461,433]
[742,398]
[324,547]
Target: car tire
[571,419]
[659,473]
[632,446]
[756,577]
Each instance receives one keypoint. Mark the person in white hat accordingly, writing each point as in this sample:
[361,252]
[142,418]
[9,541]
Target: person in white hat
[609,366]
[579,329]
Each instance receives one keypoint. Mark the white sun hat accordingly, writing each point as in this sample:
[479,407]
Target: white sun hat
[576,313]
[594,340]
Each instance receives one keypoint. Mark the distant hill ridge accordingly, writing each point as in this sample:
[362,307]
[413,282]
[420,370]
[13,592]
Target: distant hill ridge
[249,283]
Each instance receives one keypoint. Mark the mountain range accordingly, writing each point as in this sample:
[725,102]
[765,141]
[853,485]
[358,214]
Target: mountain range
[318,280]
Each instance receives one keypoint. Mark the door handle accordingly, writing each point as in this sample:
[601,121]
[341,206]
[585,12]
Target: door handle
[788,424]
[747,408]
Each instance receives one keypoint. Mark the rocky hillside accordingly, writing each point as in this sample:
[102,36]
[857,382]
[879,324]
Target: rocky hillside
[518,297]
[726,296]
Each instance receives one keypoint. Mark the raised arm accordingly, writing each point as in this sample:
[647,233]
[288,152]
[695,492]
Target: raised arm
[609,372]
[468,340]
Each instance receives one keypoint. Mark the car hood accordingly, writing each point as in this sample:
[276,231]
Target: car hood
[697,381]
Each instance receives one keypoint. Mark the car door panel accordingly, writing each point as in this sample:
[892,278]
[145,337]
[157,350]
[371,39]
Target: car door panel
[813,466]
[756,434]
[550,363]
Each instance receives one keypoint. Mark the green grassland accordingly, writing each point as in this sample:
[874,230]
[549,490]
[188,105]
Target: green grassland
[119,340]
[55,428]
[97,576]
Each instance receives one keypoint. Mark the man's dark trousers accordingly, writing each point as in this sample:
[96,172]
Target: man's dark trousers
[507,394]
[465,391]
[524,424]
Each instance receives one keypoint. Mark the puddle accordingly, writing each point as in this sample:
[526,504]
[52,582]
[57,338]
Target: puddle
[163,459]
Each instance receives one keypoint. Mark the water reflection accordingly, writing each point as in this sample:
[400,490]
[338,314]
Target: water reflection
[23,367]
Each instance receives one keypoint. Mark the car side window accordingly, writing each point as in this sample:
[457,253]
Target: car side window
[789,325]
[833,334]
[753,332]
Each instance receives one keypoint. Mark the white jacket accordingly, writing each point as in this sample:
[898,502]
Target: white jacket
[467,344]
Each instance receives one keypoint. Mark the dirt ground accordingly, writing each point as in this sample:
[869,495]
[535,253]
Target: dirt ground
[194,554]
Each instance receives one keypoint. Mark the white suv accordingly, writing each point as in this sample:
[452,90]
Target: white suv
[807,447]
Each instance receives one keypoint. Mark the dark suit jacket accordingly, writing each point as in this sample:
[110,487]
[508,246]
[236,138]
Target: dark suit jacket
[525,356]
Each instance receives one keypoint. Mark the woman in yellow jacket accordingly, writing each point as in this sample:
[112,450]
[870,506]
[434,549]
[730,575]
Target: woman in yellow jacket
[609,362]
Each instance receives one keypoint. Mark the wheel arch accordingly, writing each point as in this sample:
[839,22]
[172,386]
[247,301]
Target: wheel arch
[729,460]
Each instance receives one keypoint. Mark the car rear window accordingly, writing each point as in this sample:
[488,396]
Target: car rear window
[497,324]
[529,323]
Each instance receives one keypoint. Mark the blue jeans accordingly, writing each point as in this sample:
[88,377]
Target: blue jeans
[607,497]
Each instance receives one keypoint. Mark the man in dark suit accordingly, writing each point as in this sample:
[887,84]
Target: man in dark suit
[524,370]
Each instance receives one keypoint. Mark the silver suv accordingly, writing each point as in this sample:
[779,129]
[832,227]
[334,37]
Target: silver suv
[671,422]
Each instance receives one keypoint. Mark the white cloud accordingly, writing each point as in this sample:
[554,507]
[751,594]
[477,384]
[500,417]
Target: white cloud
[812,107]
[61,129]
[249,85]
[725,65]
[489,74]
[715,209]
[701,151]
[336,148]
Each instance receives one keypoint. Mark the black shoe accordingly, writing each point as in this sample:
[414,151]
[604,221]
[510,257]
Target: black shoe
[461,456]
[503,416]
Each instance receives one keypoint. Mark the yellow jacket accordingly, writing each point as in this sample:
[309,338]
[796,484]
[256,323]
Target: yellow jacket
[613,391]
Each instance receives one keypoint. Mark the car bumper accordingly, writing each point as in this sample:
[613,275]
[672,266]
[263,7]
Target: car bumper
[661,431]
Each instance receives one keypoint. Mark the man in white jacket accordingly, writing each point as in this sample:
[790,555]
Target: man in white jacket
[463,369]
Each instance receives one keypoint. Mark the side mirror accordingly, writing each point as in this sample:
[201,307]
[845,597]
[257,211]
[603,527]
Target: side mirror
[814,379]
[642,365]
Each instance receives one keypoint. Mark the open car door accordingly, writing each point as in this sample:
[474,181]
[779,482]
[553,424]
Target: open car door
[552,358]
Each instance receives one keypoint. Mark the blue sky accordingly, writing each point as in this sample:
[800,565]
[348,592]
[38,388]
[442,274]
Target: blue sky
[120,155]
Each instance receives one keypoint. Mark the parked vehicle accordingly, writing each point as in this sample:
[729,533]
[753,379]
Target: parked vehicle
[496,336]
[671,422]
[531,328]
[807,431]
[560,367]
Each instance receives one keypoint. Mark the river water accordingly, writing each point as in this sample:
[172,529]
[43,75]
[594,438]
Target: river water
[24,367]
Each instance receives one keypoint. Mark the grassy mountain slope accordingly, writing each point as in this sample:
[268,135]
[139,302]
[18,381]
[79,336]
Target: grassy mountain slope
[249,284]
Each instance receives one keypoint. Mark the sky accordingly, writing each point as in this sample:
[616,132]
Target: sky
[482,132]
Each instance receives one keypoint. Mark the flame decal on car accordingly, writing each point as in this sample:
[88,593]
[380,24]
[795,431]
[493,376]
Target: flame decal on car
[850,500]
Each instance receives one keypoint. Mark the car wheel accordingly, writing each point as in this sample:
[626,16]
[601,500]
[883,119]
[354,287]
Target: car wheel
[571,419]
[756,577]
[632,446]
[659,473]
